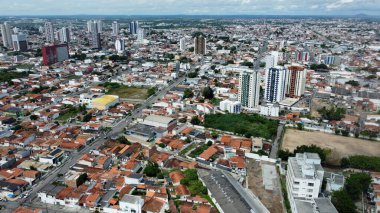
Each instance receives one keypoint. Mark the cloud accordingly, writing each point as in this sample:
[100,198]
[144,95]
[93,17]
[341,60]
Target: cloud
[204,7]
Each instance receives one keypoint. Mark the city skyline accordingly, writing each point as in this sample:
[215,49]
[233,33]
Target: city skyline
[186,7]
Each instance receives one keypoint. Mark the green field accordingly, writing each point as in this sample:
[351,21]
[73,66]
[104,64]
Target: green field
[243,124]
[129,92]
[126,92]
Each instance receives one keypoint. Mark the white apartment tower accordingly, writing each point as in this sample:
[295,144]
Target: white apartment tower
[303,178]
[271,60]
[115,28]
[49,32]
[275,84]
[182,44]
[6,33]
[249,89]
[140,34]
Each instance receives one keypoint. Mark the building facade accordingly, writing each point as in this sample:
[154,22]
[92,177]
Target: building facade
[200,45]
[6,33]
[296,81]
[49,32]
[54,54]
[19,42]
[275,84]
[249,89]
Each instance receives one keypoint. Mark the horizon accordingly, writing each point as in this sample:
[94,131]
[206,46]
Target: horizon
[188,7]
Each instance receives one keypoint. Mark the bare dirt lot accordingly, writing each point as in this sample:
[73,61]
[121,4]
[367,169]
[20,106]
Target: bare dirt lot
[339,145]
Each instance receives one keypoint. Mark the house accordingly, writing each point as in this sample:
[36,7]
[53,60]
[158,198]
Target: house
[23,209]
[131,204]
[176,177]
[55,157]
[133,178]
[12,188]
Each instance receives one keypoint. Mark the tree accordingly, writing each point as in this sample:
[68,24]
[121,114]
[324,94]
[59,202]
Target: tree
[182,120]
[284,154]
[188,93]
[353,83]
[208,93]
[151,169]
[343,202]
[87,117]
[33,117]
[356,184]
[151,91]
[300,126]
[123,140]
[195,120]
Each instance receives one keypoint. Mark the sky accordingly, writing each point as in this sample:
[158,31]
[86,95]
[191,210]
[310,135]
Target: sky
[189,7]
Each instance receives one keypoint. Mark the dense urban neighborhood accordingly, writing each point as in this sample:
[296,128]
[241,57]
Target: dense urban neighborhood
[190,114]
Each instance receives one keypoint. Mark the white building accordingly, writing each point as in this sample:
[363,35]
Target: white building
[140,34]
[120,45]
[63,35]
[230,106]
[275,84]
[271,60]
[249,89]
[272,110]
[304,178]
[160,121]
[182,44]
[131,204]
[49,32]
[6,33]
[115,28]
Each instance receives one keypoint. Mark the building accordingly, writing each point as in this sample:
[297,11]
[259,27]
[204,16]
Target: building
[200,45]
[275,84]
[120,45]
[105,102]
[249,89]
[54,54]
[140,34]
[19,42]
[182,44]
[131,204]
[63,35]
[268,109]
[6,33]
[304,178]
[49,32]
[296,81]
[115,28]
[167,123]
[271,60]
[133,27]
[95,35]
[230,106]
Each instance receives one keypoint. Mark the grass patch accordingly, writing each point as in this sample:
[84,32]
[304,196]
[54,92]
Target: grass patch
[126,92]
[9,75]
[184,151]
[243,124]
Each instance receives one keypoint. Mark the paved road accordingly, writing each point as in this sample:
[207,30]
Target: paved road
[276,144]
[75,156]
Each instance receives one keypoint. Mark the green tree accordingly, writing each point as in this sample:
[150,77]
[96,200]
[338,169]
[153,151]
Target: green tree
[208,93]
[343,202]
[195,120]
[33,117]
[152,91]
[151,169]
[188,93]
[356,184]
[353,83]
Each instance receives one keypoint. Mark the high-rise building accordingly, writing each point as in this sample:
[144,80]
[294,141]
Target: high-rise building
[182,44]
[275,84]
[120,45]
[19,42]
[140,34]
[95,35]
[99,25]
[200,45]
[89,26]
[54,54]
[296,81]
[134,27]
[115,28]
[249,89]
[49,32]
[64,35]
[6,33]
[271,60]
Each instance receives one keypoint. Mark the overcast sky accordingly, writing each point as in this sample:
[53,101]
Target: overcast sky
[190,7]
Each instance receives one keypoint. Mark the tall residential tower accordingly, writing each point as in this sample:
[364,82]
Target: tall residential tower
[249,89]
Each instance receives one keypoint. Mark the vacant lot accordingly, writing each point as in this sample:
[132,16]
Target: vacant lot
[339,145]
[243,124]
[129,92]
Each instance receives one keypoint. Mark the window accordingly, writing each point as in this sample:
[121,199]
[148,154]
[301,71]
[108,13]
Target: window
[296,182]
[309,190]
[310,184]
